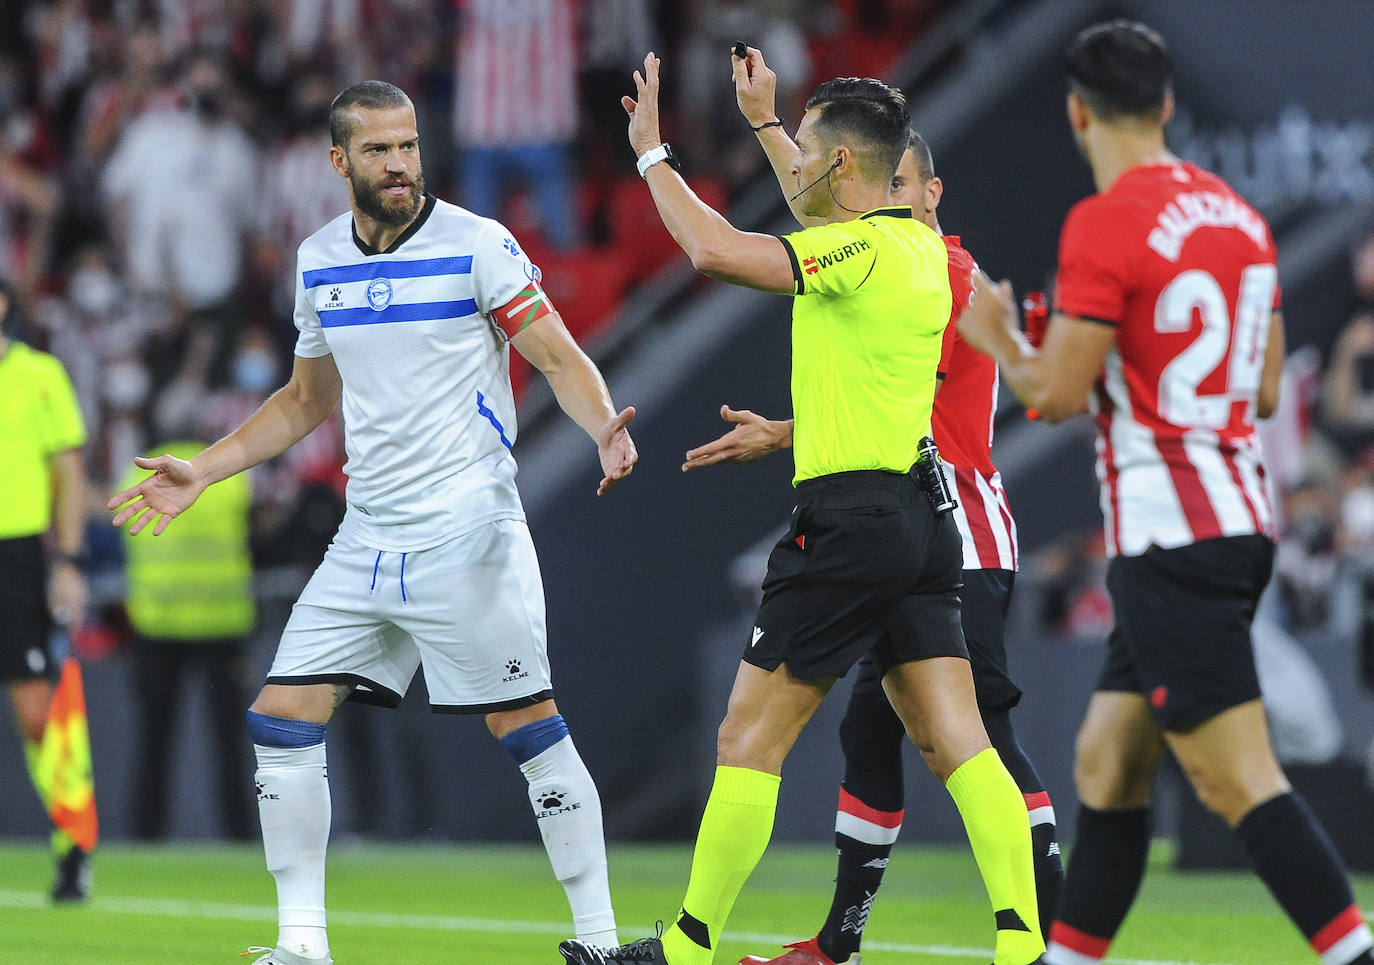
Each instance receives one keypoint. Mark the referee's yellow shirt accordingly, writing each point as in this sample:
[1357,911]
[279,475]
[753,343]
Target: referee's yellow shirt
[39,417]
[872,304]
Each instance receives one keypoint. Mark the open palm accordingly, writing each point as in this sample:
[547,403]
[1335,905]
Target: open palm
[174,485]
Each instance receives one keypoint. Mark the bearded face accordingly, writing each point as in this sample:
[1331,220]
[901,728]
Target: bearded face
[392,199]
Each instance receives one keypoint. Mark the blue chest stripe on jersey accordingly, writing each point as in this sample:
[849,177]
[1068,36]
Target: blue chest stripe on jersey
[490,416]
[368,270]
[418,312]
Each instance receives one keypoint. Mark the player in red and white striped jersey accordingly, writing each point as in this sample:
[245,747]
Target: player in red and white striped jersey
[962,423]
[870,811]
[1166,321]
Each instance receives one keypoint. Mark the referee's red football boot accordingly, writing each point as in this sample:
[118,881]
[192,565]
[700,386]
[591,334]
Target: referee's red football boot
[800,953]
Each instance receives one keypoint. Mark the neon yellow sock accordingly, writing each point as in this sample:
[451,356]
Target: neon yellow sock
[40,775]
[735,829]
[994,816]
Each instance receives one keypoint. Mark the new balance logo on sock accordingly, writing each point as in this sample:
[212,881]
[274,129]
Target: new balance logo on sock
[1054,849]
[856,916]
[758,635]
[879,863]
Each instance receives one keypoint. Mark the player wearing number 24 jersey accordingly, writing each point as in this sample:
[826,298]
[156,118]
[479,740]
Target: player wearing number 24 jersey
[1166,321]
[1183,269]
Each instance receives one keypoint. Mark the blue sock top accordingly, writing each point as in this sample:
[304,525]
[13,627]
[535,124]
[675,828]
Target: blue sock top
[268,731]
[533,739]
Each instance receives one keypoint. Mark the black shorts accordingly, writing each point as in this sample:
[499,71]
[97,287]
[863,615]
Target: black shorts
[865,565]
[985,598]
[25,623]
[1182,634]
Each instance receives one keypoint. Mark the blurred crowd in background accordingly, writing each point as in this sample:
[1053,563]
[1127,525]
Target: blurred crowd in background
[160,160]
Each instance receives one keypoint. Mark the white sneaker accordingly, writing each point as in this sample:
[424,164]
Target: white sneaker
[280,956]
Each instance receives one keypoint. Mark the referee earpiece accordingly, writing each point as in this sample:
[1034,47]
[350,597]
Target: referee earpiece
[834,164]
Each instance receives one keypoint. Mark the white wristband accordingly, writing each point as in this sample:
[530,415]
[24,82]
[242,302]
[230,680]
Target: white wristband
[651,157]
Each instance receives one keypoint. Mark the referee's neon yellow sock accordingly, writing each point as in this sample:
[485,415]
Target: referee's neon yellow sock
[735,829]
[994,816]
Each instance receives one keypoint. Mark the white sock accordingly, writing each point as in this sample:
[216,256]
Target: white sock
[569,813]
[293,803]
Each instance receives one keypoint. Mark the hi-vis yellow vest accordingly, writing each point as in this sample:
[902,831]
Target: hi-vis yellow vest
[195,581]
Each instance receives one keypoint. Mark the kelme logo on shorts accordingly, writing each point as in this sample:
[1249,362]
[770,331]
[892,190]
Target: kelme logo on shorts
[514,672]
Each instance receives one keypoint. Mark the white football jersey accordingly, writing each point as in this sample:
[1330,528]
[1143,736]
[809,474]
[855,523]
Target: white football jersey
[429,417]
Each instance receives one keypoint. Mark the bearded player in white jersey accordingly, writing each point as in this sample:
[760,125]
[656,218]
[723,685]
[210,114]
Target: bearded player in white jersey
[406,308]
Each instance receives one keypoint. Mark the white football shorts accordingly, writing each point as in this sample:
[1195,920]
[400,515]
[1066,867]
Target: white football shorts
[471,611]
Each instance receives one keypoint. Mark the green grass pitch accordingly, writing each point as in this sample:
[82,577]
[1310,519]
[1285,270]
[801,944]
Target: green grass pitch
[499,905]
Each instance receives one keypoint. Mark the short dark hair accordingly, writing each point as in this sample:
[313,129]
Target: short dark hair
[925,162]
[1121,68]
[372,95]
[869,111]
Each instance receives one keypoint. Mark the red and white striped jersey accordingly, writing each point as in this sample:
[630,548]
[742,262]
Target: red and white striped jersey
[962,423]
[1185,270]
[516,76]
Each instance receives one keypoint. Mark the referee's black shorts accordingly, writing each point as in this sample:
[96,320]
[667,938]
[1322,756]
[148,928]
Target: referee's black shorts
[1182,634]
[985,597]
[865,565]
[25,624]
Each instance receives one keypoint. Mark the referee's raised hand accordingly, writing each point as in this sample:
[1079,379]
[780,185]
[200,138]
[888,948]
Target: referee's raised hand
[756,87]
[643,111]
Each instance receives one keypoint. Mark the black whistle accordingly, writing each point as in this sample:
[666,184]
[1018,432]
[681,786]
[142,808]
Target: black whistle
[740,50]
[932,477]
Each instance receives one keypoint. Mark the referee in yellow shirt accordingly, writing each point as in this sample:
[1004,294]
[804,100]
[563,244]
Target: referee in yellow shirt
[867,564]
[43,478]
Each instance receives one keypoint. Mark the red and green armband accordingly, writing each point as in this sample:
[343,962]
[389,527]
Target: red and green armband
[523,310]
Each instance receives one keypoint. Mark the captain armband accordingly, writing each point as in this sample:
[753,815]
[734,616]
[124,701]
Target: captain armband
[523,310]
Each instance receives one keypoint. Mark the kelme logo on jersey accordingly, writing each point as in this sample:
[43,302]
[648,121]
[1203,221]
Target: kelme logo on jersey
[379,294]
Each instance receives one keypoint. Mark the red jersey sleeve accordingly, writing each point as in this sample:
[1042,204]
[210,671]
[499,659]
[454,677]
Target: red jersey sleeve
[1095,276]
[961,269]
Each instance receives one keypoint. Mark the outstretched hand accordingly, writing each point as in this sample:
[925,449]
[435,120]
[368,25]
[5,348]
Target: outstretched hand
[617,450]
[756,87]
[991,317]
[752,438]
[643,109]
[174,485]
